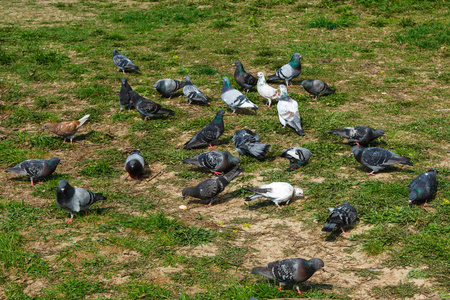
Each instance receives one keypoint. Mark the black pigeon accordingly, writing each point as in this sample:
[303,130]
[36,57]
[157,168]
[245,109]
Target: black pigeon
[124,94]
[74,199]
[167,87]
[317,87]
[135,164]
[35,169]
[288,71]
[210,188]
[291,270]
[147,107]
[247,142]
[359,134]
[341,217]
[423,187]
[215,161]
[298,156]
[208,134]
[193,93]
[122,62]
[244,79]
[377,158]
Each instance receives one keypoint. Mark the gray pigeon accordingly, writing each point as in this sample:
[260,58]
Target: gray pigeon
[288,111]
[193,93]
[208,134]
[147,107]
[247,142]
[244,79]
[167,87]
[288,71]
[298,156]
[215,161]
[277,192]
[210,188]
[341,217]
[122,62]
[134,164]
[74,199]
[35,169]
[423,187]
[291,270]
[233,98]
[377,158]
[124,94]
[317,87]
[359,134]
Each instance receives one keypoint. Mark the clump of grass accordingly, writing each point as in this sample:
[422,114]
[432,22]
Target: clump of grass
[403,290]
[430,35]
[99,169]
[407,22]
[22,114]
[6,57]
[324,22]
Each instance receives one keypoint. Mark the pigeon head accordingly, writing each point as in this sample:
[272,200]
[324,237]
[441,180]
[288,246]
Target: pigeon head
[136,152]
[316,264]
[54,162]
[188,79]
[233,159]
[124,81]
[306,83]
[226,82]
[115,52]
[379,132]
[260,75]
[187,192]
[295,60]
[159,85]
[298,192]
[413,196]
[356,150]
[238,65]
[284,93]
[64,190]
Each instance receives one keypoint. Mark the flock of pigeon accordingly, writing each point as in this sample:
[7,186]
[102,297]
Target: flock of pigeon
[225,165]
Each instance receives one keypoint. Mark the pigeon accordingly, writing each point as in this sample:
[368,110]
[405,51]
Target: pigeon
[288,71]
[167,87]
[277,192]
[66,129]
[209,133]
[359,134]
[288,111]
[35,168]
[124,94]
[247,142]
[341,217]
[193,93]
[317,87]
[377,158]
[244,79]
[123,63]
[147,107]
[211,187]
[291,270]
[74,199]
[134,164]
[233,98]
[265,90]
[298,156]
[423,187]
[215,161]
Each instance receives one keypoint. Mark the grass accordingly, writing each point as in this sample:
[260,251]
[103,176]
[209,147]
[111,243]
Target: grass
[387,61]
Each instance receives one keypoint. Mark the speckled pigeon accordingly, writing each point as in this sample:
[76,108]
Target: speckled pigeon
[124,94]
[147,107]
[265,90]
[377,158]
[244,79]
[247,142]
[193,93]
[317,87]
[341,217]
[167,87]
[66,129]
[288,71]
[233,98]
[208,134]
[74,199]
[123,63]
[423,187]
[291,270]
[35,169]
[288,111]
[210,188]
[298,156]
[134,164]
[359,134]
[277,192]
[215,161]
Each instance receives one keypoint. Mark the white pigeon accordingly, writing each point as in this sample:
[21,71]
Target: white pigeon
[233,98]
[288,111]
[277,192]
[265,90]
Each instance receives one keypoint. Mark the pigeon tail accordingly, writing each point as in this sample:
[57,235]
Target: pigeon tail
[259,150]
[166,111]
[264,271]
[273,78]
[329,227]
[253,197]
[257,190]
[233,173]
[83,120]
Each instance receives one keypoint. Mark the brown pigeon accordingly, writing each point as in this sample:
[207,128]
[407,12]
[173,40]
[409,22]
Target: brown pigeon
[66,129]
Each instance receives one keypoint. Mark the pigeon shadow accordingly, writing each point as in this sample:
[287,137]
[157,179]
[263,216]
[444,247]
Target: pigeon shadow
[304,286]
[219,199]
[267,202]
[245,111]
[390,169]
[335,233]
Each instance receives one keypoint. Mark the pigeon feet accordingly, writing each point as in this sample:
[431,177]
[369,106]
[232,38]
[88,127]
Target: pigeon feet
[298,290]
[69,221]
[371,173]
[211,147]
[217,173]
